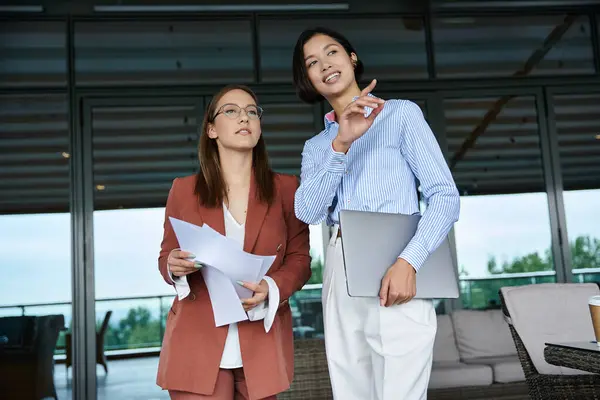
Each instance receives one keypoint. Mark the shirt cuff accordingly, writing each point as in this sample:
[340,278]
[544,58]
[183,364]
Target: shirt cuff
[415,254]
[336,161]
[182,287]
[267,310]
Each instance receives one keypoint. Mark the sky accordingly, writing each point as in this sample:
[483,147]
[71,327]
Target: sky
[35,249]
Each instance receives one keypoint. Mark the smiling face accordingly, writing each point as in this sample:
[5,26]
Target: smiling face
[329,67]
[236,121]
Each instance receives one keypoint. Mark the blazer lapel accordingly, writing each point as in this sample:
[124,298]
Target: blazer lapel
[254,218]
[214,218]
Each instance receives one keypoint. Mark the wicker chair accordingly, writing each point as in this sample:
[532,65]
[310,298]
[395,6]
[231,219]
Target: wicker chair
[27,356]
[546,386]
[311,375]
[311,380]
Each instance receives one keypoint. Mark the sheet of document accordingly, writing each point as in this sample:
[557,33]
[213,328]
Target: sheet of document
[226,305]
[225,264]
[212,248]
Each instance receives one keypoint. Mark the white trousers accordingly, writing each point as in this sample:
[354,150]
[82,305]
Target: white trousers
[374,352]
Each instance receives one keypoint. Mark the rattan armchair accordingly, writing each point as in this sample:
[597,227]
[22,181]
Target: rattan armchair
[546,386]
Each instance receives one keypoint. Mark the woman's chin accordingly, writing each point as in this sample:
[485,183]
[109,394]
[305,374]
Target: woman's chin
[337,90]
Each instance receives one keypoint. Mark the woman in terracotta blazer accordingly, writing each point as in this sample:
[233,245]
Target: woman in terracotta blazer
[237,194]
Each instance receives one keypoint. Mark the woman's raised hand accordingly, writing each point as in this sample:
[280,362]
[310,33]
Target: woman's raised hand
[353,123]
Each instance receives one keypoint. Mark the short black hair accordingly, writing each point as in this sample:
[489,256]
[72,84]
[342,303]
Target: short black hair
[304,88]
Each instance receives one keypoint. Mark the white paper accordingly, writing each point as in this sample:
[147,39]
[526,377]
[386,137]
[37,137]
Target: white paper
[227,308]
[225,264]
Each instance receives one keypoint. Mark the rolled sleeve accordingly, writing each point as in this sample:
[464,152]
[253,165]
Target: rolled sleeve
[182,287]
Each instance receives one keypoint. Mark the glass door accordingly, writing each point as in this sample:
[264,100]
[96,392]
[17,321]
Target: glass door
[498,153]
[139,145]
[575,128]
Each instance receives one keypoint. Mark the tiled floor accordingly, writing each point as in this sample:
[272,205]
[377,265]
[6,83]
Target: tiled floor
[133,379]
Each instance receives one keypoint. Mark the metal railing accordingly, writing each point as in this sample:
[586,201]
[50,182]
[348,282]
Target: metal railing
[482,292]
[138,323]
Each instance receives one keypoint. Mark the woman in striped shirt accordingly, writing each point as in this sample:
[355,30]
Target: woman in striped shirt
[369,157]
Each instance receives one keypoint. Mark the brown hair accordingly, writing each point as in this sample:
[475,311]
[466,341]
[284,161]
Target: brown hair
[210,185]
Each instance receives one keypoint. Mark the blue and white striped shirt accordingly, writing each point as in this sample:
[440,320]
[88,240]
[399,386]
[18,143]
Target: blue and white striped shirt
[379,173]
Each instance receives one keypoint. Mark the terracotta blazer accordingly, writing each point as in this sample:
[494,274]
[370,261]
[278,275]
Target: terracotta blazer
[192,345]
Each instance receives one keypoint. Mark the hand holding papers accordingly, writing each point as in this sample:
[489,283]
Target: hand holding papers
[225,263]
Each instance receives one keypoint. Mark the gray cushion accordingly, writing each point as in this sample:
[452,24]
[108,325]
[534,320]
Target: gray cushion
[506,369]
[456,374]
[482,334]
[444,347]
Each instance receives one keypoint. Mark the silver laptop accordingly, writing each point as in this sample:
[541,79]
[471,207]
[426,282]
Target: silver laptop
[372,242]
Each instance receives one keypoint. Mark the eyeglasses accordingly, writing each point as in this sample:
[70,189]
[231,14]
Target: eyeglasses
[233,111]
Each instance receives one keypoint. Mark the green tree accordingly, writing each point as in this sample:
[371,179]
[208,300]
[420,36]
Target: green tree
[317,271]
[585,252]
[138,329]
[145,336]
[531,262]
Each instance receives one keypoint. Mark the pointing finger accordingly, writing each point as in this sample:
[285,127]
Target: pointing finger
[369,88]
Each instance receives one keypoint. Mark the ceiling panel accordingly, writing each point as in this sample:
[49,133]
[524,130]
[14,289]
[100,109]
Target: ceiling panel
[163,52]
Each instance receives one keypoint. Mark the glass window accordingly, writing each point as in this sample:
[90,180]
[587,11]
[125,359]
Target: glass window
[578,129]
[391,48]
[175,52]
[471,47]
[503,234]
[35,230]
[34,54]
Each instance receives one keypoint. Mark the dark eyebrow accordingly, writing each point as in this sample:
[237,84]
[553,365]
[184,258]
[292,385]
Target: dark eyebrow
[234,104]
[324,48]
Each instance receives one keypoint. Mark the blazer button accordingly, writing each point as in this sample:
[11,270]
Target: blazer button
[192,296]
[279,247]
